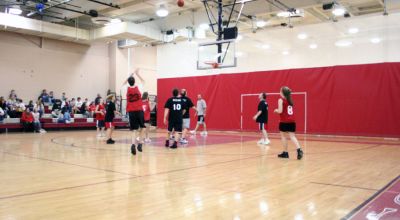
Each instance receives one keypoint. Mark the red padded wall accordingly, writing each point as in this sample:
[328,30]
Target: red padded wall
[348,100]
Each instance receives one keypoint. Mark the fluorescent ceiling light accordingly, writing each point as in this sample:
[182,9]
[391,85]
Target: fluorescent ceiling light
[204,26]
[261,23]
[15,11]
[162,11]
[115,20]
[302,36]
[339,11]
[285,52]
[283,14]
[343,43]
[313,46]
[266,46]
[353,30]
[375,40]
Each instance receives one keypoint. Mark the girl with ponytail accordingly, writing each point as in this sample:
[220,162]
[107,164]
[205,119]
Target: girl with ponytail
[287,124]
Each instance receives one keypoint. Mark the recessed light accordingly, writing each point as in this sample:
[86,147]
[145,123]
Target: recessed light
[353,30]
[261,23]
[162,11]
[283,14]
[313,46]
[375,40]
[204,26]
[339,11]
[285,52]
[343,43]
[265,46]
[302,36]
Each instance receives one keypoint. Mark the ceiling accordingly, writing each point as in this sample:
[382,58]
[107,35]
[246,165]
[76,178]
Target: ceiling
[74,13]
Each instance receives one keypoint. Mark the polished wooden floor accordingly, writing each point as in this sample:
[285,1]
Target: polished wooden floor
[73,175]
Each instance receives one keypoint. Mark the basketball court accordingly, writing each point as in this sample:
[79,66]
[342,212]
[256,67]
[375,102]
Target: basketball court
[323,73]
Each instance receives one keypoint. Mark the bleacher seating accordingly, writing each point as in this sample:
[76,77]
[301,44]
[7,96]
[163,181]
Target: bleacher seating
[51,123]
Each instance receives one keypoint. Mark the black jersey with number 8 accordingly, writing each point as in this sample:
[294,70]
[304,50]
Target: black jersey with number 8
[176,107]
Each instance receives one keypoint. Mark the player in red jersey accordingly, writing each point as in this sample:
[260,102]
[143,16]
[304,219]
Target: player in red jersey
[100,116]
[287,124]
[146,110]
[134,109]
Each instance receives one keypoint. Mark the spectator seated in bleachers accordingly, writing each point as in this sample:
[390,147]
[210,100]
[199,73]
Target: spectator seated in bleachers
[39,107]
[44,96]
[51,97]
[2,115]
[56,109]
[30,105]
[92,109]
[66,112]
[36,121]
[27,120]
[77,107]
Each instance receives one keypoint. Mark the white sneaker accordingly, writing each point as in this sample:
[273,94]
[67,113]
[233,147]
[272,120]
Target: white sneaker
[137,139]
[261,141]
[183,141]
[98,135]
[204,133]
[192,132]
[266,142]
[147,140]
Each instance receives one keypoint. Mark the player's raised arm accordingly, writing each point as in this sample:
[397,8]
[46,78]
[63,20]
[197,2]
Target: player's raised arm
[136,72]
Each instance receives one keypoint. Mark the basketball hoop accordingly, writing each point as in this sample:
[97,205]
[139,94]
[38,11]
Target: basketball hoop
[213,64]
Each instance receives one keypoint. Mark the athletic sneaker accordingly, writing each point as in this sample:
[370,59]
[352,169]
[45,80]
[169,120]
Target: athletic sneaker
[110,141]
[284,154]
[98,135]
[137,139]
[183,141]
[167,143]
[193,132]
[299,154]
[139,147]
[133,149]
[175,145]
[147,140]
[266,142]
[261,141]
[204,133]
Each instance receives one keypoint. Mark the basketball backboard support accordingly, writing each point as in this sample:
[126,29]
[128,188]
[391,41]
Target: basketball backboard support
[216,54]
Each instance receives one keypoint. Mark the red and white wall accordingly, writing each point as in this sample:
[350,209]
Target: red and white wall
[350,90]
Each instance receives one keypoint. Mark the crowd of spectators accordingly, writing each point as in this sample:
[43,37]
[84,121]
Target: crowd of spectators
[31,112]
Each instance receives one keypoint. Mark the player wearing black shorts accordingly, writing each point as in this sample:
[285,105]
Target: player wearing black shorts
[261,117]
[174,109]
[135,111]
[109,118]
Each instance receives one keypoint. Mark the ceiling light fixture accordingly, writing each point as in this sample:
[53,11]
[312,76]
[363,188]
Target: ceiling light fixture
[353,30]
[375,40]
[115,21]
[162,11]
[204,26]
[265,46]
[261,23]
[343,43]
[313,46]
[302,36]
[338,10]
[285,52]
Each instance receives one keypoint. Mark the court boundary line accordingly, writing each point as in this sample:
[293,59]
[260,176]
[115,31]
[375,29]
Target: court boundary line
[344,186]
[370,199]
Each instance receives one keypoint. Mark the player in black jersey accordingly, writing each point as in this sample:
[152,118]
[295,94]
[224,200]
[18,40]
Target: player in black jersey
[261,117]
[186,116]
[174,109]
[111,111]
